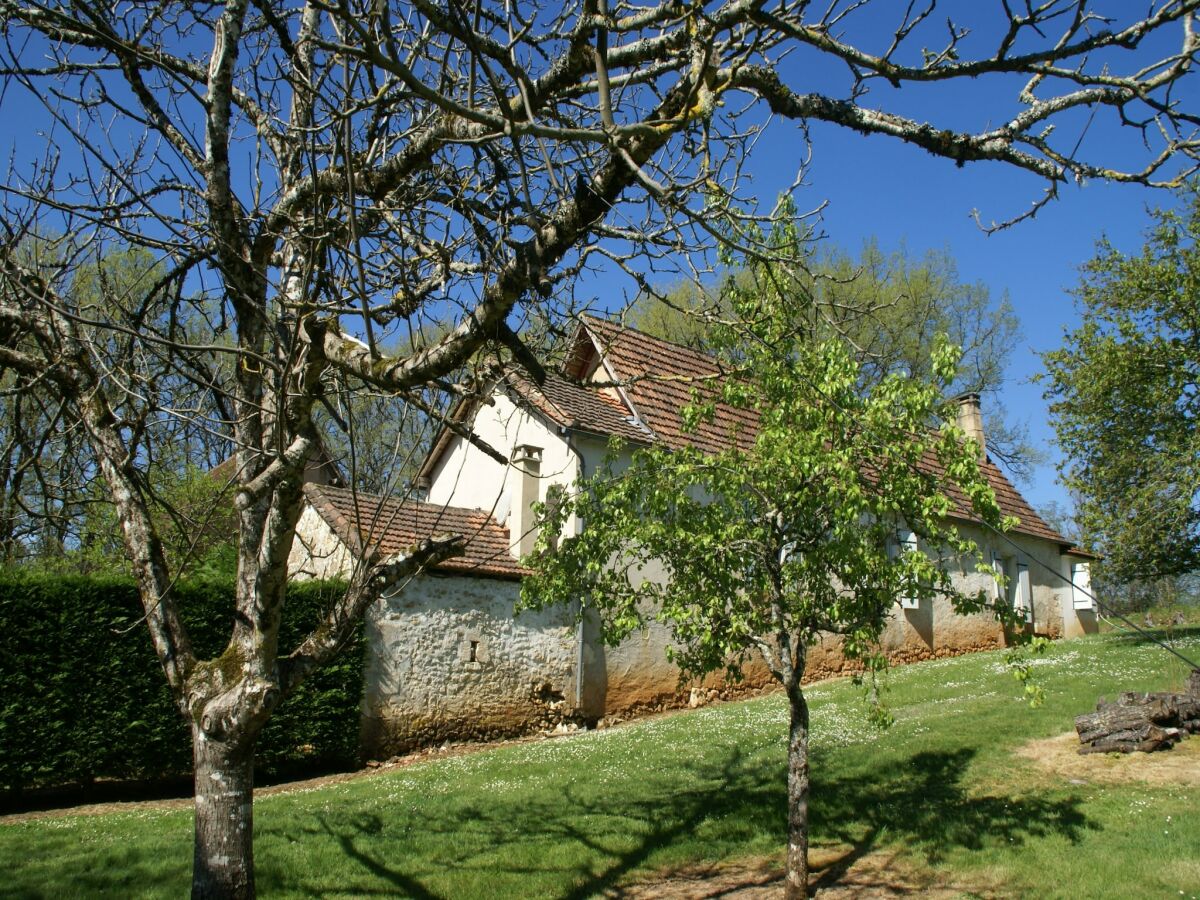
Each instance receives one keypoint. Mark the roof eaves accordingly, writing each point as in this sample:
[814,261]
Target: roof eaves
[337,523]
[455,565]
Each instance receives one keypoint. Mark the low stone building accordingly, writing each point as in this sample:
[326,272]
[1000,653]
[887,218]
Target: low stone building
[448,658]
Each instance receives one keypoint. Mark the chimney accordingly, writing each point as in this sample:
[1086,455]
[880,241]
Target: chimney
[420,488]
[970,420]
[527,462]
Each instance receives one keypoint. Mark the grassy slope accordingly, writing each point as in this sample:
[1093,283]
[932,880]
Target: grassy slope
[564,818]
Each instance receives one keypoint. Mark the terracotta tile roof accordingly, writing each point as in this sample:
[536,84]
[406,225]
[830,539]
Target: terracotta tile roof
[1008,498]
[574,406]
[1014,504]
[659,379]
[388,526]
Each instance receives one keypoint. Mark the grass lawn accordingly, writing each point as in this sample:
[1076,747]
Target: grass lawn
[942,789]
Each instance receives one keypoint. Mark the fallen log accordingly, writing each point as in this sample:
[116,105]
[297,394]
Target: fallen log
[1178,710]
[1141,721]
[1125,728]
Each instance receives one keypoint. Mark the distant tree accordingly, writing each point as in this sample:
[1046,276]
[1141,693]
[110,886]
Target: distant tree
[192,511]
[812,528]
[890,309]
[48,474]
[1125,392]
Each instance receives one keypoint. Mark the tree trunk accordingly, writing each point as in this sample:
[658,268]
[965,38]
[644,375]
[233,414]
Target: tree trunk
[223,858]
[797,855]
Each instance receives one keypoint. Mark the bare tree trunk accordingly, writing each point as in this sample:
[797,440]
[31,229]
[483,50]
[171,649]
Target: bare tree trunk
[797,855]
[223,858]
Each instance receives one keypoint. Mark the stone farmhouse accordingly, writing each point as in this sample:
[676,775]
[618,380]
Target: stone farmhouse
[449,660]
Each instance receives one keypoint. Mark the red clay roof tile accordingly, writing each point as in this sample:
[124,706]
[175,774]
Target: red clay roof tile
[660,378]
[387,526]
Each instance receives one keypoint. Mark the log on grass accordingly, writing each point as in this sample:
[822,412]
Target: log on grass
[1146,739]
[1176,710]
[1141,720]
[1126,728]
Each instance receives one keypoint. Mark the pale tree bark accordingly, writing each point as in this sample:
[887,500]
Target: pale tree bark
[223,853]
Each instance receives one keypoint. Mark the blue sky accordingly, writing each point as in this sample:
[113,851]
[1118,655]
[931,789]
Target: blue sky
[878,188]
[881,189]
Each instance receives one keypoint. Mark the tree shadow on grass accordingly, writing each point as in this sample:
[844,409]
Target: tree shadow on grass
[585,841]
[923,802]
[571,845]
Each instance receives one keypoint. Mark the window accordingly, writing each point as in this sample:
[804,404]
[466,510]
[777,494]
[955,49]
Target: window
[906,542]
[998,570]
[1081,586]
[1023,599]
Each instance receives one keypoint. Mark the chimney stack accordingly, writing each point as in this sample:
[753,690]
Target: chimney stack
[527,462]
[420,488]
[970,420]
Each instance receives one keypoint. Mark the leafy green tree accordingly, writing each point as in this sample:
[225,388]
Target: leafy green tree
[1125,392]
[195,518]
[890,308]
[791,532]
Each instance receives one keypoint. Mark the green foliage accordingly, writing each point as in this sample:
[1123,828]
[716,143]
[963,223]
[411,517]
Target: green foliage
[193,514]
[1126,400]
[791,532]
[84,696]
[1019,660]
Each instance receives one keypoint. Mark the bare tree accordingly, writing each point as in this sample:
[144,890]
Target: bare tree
[322,180]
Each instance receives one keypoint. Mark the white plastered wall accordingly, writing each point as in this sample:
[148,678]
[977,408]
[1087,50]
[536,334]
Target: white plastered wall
[317,552]
[467,477]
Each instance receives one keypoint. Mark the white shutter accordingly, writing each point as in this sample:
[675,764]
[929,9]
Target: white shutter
[1081,586]
[907,541]
[998,573]
[1023,601]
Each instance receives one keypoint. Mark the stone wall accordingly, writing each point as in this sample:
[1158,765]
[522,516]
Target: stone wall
[447,660]
[638,677]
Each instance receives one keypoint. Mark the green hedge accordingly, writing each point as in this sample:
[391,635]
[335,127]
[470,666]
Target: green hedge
[82,696]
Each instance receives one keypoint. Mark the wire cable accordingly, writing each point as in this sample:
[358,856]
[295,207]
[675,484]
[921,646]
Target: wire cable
[1103,607]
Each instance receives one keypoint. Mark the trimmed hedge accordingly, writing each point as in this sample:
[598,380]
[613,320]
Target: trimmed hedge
[82,695]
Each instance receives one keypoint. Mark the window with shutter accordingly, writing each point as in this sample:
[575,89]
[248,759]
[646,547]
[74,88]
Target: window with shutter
[1023,599]
[1081,586]
[998,570]
[906,540]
